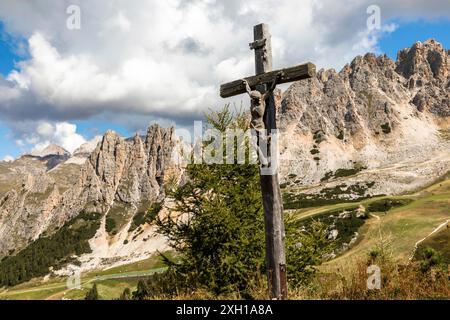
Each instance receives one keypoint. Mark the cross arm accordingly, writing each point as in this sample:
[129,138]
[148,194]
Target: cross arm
[300,72]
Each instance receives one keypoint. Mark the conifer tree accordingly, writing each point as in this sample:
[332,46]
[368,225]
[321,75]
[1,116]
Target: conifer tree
[221,237]
[92,293]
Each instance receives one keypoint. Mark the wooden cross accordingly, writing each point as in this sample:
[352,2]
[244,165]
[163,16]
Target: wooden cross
[271,193]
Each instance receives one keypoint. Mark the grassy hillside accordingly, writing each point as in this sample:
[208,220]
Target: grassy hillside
[403,221]
[110,283]
[403,227]
[440,242]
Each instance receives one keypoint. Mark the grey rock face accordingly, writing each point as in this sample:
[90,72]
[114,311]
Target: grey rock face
[118,171]
[426,68]
[364,91]
[374,113]
[52,155]
[336,103]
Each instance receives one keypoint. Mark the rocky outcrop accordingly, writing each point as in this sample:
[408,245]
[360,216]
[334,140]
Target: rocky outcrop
[425,62]
[375,113]
[81,154]
[50,150]
[426,68]
[129,171]
[52,155]
[124,173]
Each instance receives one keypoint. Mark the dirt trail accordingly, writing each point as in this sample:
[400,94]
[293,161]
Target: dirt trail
[436,230]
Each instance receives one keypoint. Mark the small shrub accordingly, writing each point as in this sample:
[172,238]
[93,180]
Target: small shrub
[374,253]
[341,173]
[386,128]
[92,293]
[150,216]
[319,137]
[386,205]
[429,258]
[305,250]
[161,285]
[110,225]
[126,294]
[327,176]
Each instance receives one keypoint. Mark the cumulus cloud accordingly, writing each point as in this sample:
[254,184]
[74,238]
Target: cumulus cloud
[40,134]
[165,60]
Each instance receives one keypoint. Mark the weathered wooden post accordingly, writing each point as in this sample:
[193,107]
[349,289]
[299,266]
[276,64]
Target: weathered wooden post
[270,187]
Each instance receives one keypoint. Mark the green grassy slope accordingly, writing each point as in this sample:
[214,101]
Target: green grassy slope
[440,242]
[404,226]
[110,283]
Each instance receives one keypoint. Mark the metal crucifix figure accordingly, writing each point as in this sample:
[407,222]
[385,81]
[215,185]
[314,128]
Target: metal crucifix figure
[260,89]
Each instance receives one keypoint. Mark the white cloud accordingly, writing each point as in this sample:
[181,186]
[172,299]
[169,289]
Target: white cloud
[166,59]
[38,135]
[8,158]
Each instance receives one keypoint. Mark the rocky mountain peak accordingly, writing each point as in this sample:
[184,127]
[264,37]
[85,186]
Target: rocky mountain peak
[87,148]
[371,105]
[426,67]
[80,155]
[372,61]
[129,170]
[52,155]
[50,150]
[105,164]
[427,60]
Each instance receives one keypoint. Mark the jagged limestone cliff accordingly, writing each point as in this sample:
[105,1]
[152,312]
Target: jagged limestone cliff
[382,122]
[121,178]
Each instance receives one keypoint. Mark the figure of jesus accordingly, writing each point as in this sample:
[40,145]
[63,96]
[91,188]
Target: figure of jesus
[257,110]
[258,104]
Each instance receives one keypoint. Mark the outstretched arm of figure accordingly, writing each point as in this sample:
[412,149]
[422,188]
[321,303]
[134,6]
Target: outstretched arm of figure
[247,87]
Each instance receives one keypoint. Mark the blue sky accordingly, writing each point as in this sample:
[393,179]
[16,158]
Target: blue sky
[8,147]
[7,57]
[202,61]
[409,32]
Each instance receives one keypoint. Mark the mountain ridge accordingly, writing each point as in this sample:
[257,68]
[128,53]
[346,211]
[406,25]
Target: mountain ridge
[48,198]
[368,116]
